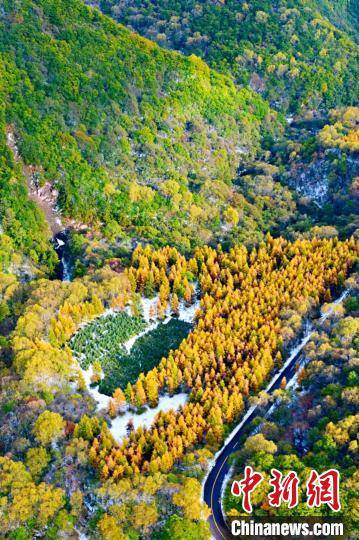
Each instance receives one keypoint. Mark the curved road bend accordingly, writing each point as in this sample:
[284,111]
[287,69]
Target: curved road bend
[215,481]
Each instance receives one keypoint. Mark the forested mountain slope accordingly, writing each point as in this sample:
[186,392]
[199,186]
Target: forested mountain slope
[320,159]
[342,13]
[157,178]
[27,234]
[287,49]
[141,140]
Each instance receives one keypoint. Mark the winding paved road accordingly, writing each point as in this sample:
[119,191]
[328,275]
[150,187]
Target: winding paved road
[215,481]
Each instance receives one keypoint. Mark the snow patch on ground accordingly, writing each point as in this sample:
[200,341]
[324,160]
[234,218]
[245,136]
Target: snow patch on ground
[148,304]
[312,181]
[187,313]
[166,403]
[101,399]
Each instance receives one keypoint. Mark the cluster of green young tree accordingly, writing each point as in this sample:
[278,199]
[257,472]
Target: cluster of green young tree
[143,140]
[100,344]
[315,427]
[290,52]
[103,339]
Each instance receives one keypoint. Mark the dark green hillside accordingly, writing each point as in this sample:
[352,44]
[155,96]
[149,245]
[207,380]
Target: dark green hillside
[286,49]
[27,235]
[342,13]
[141,140]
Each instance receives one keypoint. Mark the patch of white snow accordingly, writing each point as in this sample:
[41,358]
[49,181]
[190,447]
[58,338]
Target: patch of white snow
[166,403]
[187,313]
[101,399]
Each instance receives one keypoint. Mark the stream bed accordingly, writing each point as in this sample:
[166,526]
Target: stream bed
[61,246]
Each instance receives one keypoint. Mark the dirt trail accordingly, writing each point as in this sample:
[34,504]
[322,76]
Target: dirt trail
[46,196]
